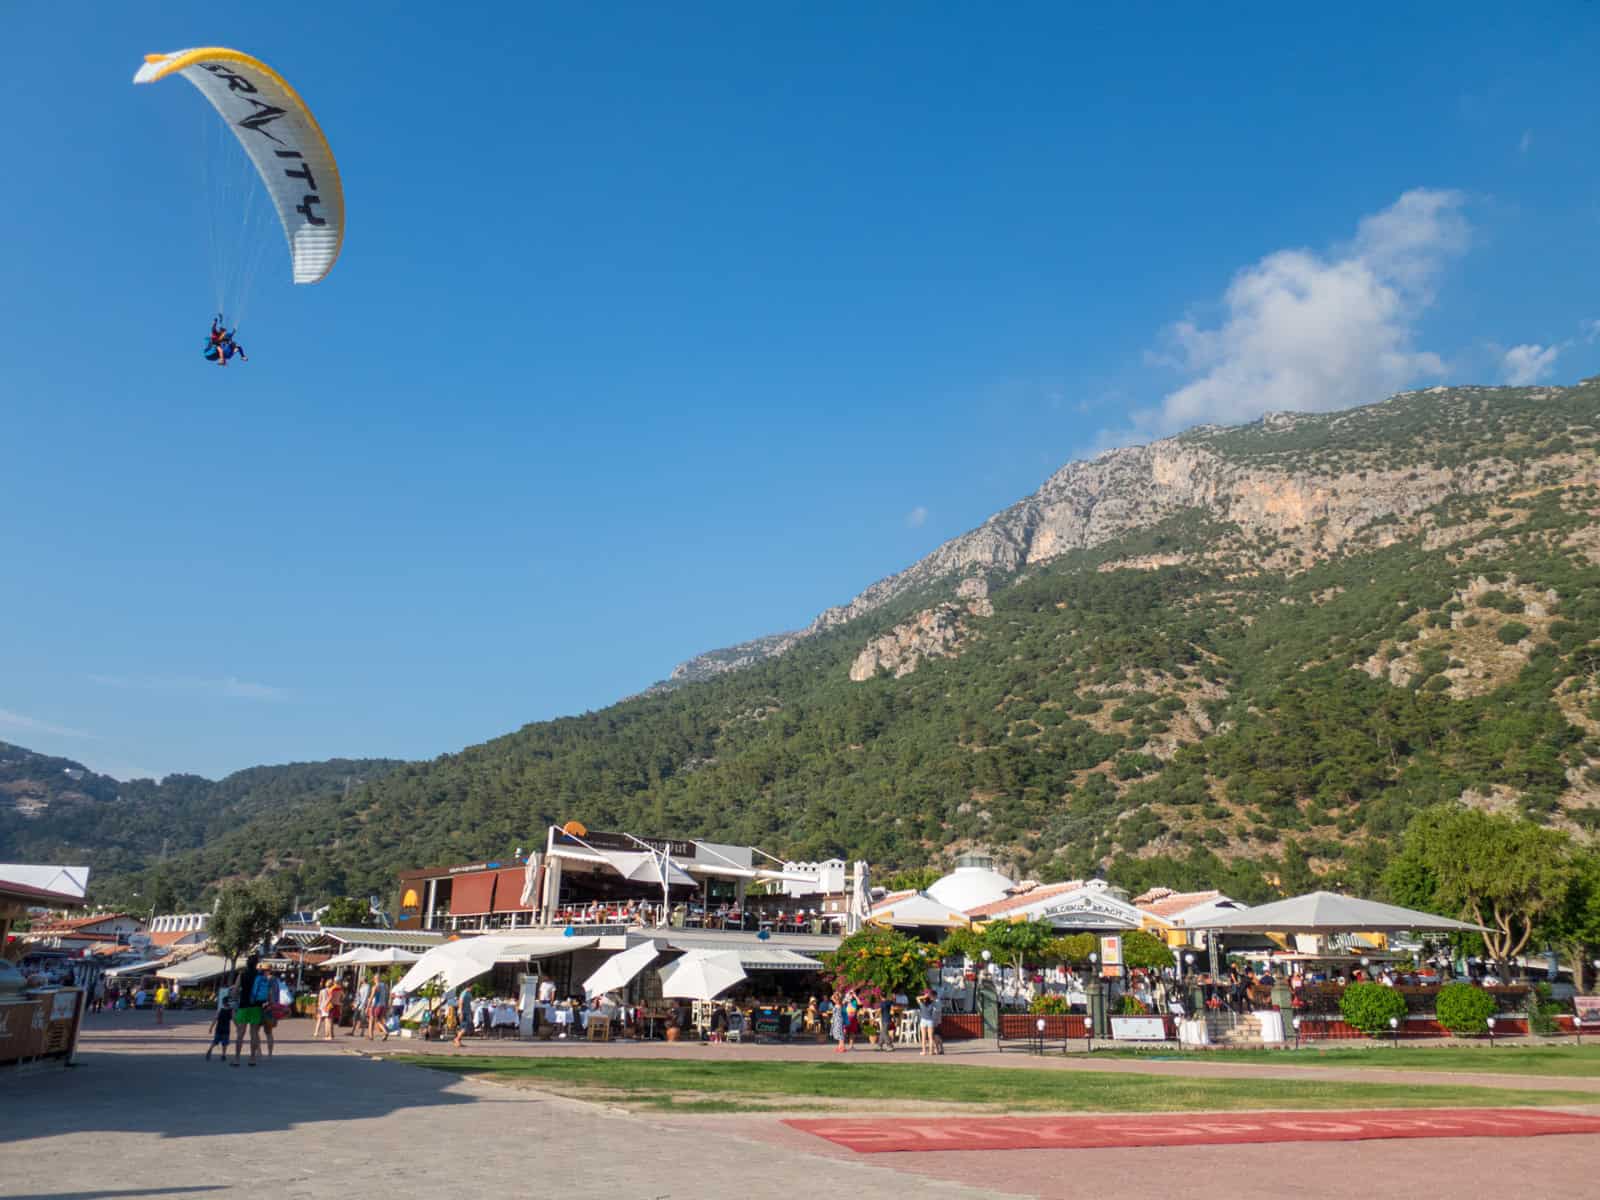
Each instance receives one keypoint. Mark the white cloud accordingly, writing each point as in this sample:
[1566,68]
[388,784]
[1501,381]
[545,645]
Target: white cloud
[1310,331]
[1590,330]
[228,687]
[1527,141]
[1528,363]
[917,517]
[16,720]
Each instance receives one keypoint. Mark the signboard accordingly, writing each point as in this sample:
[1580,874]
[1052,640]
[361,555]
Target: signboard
[1111,951]
[1587,1008]
[1138,1029]
[63,1006]
[618,841]
[1088,910]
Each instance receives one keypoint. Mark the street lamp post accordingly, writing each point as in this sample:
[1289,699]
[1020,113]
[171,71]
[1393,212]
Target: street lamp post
[1096,989]
[1394,1032]
[1297,1033]
[1491,1033]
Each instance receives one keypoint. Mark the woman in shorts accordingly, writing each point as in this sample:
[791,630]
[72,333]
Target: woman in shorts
[248,1016]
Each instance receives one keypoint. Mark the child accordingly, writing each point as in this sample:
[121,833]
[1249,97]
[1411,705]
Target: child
[220,1028]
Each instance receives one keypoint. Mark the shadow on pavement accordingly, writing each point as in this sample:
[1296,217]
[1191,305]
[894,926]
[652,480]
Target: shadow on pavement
[166,1087]
[113,1193]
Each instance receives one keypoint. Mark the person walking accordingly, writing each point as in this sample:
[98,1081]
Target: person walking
[335,1004]
[886,1023]
[837,1027]
[161,1003]
[927,1021]
[322,1010]
[378,1008]
[358,1011]
[269,1006]
[222,1022]
[248,1014]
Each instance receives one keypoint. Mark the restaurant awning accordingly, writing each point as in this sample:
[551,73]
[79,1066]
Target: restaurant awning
[472,895]
[640,867]
[198,969]
[508,890]
[917,910]
[755,958]
[454,963]
[776,959]
[1329,912]
[148,967]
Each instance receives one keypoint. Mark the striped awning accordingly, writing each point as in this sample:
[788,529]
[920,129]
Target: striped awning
[761,958]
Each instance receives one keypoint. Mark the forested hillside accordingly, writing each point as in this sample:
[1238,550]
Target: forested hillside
[1240,657]
[57,810]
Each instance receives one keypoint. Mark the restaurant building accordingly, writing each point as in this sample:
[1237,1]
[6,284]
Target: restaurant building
[590,895]
[590,877]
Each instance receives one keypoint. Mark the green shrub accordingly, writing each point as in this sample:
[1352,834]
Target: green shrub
[1132,1006]
[1543,1009]
[1513,632]
[1368,1007]
[1462,1008]
[1050,1006]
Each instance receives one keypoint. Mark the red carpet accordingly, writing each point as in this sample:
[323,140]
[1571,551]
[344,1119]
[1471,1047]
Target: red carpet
[885,1135]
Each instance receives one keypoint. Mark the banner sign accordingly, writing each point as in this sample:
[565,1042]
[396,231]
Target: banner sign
[1138,1029]
[1111,950]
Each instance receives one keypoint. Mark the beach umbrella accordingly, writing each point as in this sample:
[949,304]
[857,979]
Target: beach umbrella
[1329,912]
[617,970]
[366,956]
[702,974]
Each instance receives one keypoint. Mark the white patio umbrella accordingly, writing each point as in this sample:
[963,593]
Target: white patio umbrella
[701,974]
[617,970]
[366,956]
[860,900]
[1329,912]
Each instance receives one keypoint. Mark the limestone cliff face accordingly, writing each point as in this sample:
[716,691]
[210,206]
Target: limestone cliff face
[1313,503]
[934,633]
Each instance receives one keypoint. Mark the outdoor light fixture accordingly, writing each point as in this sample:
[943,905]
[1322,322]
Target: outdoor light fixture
[1394,1031]
[1296,1024]
[1491,1033]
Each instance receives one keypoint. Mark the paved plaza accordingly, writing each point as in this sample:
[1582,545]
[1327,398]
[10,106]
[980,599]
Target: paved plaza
[144,1115]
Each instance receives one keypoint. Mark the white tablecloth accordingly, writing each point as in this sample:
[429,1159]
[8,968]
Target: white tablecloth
[1192,1032]
[502,1015]
[1271,1022]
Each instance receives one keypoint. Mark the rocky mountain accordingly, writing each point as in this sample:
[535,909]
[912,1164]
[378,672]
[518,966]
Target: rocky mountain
[1309,482]
[1239,656]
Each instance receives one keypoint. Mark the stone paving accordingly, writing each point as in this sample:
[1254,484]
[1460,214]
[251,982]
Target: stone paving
[145,1116]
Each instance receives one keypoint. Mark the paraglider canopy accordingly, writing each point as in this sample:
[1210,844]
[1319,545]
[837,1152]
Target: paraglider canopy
[283,140]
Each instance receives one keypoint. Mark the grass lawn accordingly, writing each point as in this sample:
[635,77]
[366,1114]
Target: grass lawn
[738,1086]
[1546,1060]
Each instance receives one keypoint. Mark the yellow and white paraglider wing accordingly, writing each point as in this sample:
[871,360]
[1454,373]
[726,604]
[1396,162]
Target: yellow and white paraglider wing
[282,139]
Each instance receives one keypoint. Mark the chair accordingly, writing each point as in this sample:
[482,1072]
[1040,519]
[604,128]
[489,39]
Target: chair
[599,1028]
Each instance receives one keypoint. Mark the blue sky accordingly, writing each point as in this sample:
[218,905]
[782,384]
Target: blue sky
[662,327]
